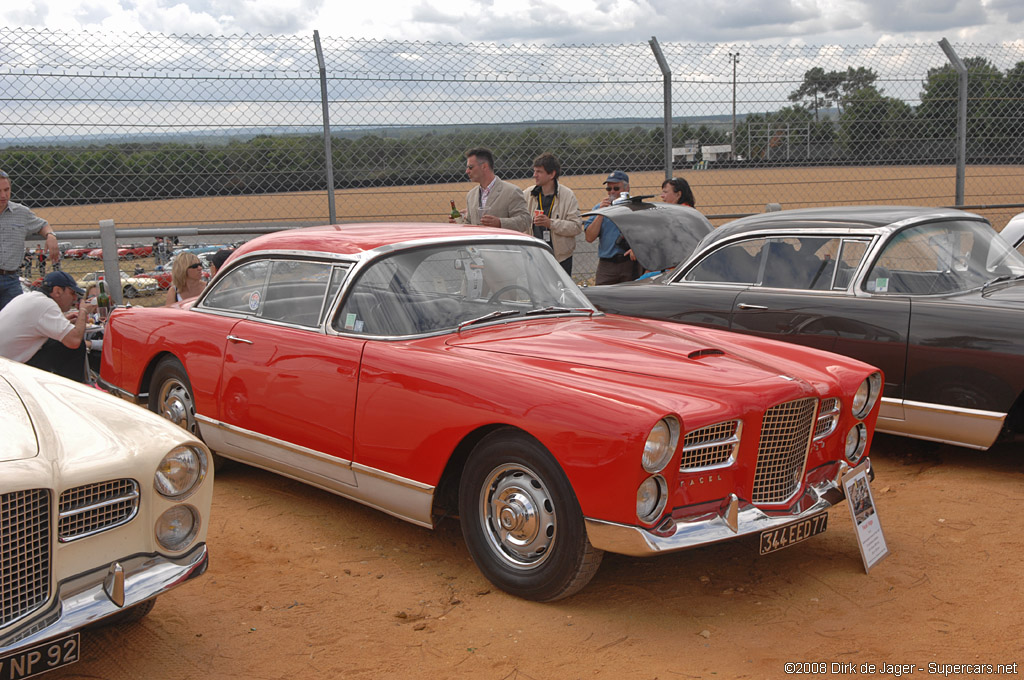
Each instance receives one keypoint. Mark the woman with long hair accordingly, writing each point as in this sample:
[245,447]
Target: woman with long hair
[677,190]
[186,279]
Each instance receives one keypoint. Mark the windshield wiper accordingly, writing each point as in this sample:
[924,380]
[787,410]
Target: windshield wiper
[1000,279]
[497,314]
[558,310]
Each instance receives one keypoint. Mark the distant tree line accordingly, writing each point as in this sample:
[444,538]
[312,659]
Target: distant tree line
[862,125]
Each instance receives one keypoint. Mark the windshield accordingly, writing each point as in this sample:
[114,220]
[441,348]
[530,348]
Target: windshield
[439,288]
[943,257]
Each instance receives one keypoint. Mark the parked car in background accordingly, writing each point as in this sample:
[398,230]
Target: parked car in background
[929,295]
[1013,232]
[131,285]
[79,252]
[134,250]
[104,507]
[431,370]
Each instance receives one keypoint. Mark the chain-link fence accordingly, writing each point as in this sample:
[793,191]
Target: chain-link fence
[160,131]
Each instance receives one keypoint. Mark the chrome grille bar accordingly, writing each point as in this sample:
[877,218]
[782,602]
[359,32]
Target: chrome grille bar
[709,446]
[828,417]
[24,552]
[89,509]
[782,453]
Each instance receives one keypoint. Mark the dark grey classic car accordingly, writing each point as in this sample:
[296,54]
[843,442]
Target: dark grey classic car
[931,296]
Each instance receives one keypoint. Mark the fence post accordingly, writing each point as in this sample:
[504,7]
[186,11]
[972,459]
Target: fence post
[111,267]
[328,158]
[961,118]
[666,74]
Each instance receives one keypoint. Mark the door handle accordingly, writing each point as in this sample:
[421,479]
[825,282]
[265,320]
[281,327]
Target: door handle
[744,305]
[235,338]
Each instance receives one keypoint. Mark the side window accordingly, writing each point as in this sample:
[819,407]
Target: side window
[736,263]
[296,292]
[805,263]
[850,257]
[240,290]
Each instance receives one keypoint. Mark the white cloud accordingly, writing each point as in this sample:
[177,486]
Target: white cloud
[569,22]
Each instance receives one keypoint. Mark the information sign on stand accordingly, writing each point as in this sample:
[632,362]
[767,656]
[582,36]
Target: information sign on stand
[865,516]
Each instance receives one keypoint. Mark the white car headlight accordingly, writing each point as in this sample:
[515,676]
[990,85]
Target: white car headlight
[176,528]
[180,472]
[651,498]
[661,444]
[856,441]
[866,396]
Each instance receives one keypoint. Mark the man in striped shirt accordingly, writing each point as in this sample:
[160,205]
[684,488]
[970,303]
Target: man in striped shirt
[16,223]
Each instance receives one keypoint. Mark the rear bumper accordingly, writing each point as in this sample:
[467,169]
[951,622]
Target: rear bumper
[733,518]
[88,598]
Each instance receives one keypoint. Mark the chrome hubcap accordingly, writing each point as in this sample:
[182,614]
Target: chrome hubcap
[518,516]
[176,406]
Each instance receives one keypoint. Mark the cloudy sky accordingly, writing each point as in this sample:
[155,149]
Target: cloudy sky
[569,22]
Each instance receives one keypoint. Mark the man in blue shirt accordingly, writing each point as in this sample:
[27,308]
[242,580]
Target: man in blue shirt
[17,222]
[613,265]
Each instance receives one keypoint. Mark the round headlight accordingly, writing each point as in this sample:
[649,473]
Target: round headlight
[176,528]
[866,396]
[651,498]
[856,441]
[180,472]
[660,444]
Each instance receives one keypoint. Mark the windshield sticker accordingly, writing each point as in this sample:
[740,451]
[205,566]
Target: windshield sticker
[254,301]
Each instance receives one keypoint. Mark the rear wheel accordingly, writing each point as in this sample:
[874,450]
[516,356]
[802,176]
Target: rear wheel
[521,520]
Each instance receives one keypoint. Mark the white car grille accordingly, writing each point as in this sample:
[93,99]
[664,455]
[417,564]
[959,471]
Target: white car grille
[24,552]
[89,509]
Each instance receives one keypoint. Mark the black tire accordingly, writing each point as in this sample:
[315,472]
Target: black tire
[131,615]
[129,291]
[521,520]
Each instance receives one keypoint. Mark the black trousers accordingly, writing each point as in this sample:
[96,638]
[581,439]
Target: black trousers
[55,357]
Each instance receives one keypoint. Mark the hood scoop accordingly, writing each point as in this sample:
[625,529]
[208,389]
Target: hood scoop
[707,352]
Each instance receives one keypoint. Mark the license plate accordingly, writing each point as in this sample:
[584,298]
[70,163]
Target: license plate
[46,656]
[783,537]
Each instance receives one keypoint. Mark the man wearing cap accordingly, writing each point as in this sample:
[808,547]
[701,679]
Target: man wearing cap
[613,265]
[37,330]
[493,202]
[17,222]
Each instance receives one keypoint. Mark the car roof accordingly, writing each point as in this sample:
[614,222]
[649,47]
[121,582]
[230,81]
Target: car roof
[865,217]
[355,239]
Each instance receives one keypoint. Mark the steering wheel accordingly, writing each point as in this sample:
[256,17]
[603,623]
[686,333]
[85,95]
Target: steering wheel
[512,286]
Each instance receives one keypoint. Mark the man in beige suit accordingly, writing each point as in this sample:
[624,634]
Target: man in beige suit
[493,202]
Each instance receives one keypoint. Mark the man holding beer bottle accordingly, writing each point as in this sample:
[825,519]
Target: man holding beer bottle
[492,202]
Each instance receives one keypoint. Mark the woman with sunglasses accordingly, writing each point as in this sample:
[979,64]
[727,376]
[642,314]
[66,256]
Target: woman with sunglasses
[186,279]
[677,190]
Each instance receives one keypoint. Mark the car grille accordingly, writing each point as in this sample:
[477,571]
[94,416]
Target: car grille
[828,417]
[782,452]
[86,510]
[712,445]
[24,552]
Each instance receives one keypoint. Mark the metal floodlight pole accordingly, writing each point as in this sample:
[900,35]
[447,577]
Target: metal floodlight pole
[329,161]
[666,74]
[961,118]
[734,57]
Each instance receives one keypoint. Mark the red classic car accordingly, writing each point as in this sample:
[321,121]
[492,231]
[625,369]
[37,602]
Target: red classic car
[436,370]
[78,252]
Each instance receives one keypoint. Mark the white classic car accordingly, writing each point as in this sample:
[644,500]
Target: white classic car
[103,507]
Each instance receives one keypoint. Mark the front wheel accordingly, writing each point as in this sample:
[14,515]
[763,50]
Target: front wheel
[521,520]
[129,291]
[170,396]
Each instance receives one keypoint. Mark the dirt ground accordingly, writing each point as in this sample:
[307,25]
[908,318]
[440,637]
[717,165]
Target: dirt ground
[306,584]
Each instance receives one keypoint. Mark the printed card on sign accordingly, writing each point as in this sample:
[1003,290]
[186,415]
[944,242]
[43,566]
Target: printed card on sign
[870,539]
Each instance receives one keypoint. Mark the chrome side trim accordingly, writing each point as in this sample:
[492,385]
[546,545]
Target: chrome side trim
[398,496]
[734,518]
[85,599]
[965,427]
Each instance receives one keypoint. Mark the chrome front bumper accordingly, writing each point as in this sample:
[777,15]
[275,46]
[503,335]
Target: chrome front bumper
[732,519]
[87,598]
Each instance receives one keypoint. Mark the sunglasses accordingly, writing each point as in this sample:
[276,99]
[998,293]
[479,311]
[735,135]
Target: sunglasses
[197,265]
[611,189]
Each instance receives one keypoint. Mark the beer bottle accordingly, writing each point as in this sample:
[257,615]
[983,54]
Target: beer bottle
[455,211]
[102,300]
